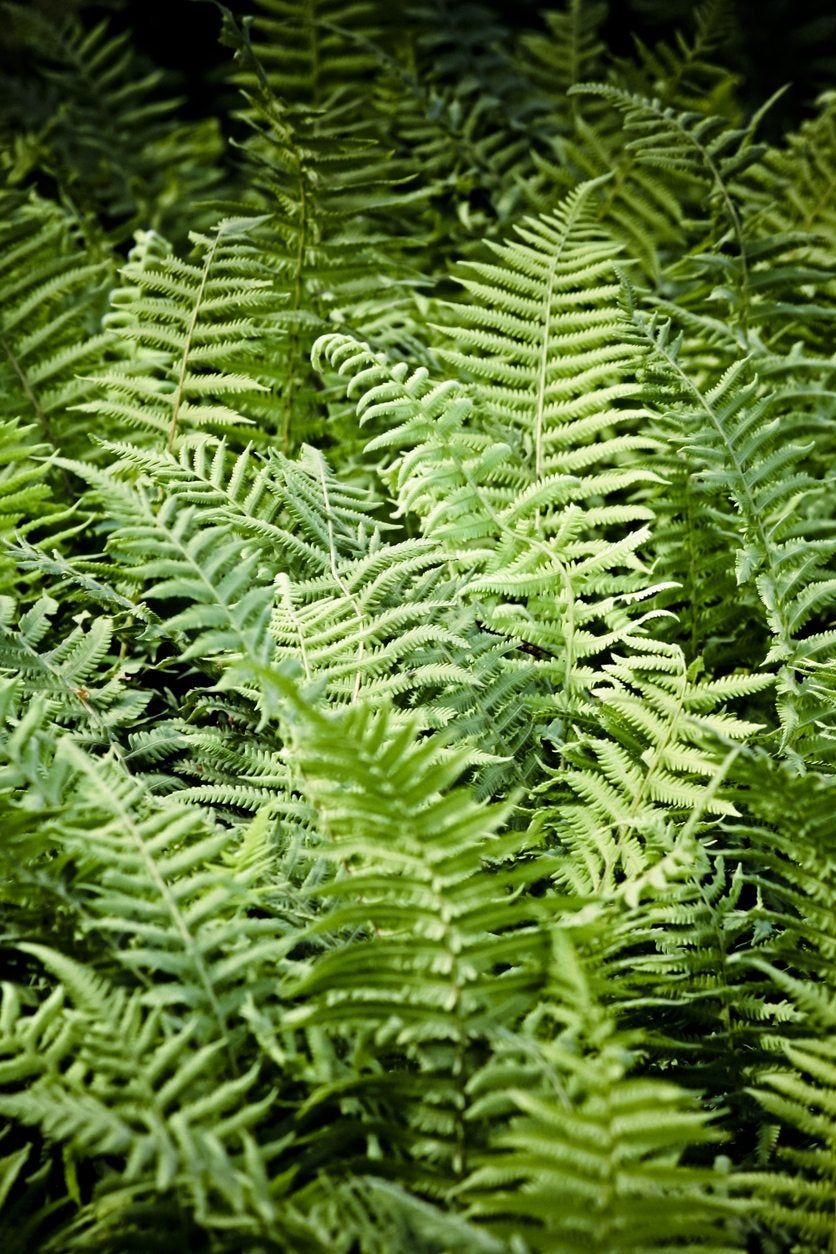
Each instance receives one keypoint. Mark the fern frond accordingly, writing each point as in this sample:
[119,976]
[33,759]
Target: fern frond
[570,50]
[583,1155]
[98,121]
[706,159]
[423,909]
[733,431]
[312,49]
[151,873]
[106,1080]
[523,536]
[802,1098]
[189,333]
[51,298]
[332,194]
[664,743]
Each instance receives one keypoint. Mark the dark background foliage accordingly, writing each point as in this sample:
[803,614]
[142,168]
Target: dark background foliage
[771,43]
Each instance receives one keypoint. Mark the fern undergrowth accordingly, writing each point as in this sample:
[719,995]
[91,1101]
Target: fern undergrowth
[417,654]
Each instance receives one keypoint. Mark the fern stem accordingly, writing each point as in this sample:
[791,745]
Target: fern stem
[730,207]
[179,391]
[40,412]
[338,579]
[542,365]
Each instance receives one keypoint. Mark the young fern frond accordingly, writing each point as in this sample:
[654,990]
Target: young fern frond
[515,533]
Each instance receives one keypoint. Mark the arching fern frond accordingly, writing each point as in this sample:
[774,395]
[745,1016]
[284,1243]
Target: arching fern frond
[511,473]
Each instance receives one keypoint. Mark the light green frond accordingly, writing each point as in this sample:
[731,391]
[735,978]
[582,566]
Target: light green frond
[188,335]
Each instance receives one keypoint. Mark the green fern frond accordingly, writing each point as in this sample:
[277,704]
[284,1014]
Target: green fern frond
[51,295]
[658,761]
[706,159]
[802,1098]
[104,1079]
[423,908]
[512,536]
[417,680]
[188,334]
[332,194]
[570,51]
[312,49]
[98,120]
[78,675]
[734,433]
[24,489]
[583,1155]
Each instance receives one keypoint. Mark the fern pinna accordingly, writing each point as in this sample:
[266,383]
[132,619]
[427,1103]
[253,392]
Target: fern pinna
[417,674]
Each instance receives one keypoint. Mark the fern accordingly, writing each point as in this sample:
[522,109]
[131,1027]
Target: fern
[100,126]
[309,51]
[332,195]
[800,1200]
[413,857]
[519,532]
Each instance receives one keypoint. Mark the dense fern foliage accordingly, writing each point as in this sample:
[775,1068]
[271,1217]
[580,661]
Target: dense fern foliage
[417,653]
